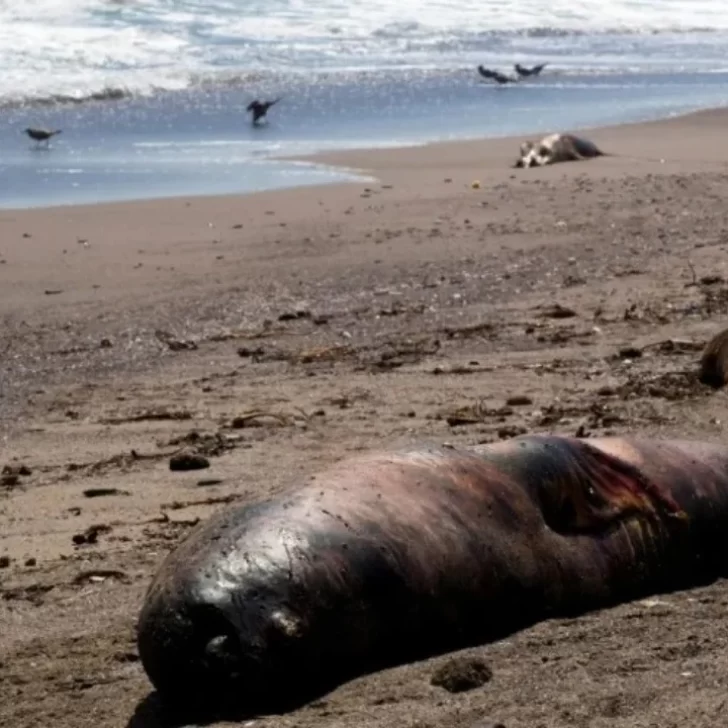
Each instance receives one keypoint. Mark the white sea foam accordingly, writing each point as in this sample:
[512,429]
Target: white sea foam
[75,48]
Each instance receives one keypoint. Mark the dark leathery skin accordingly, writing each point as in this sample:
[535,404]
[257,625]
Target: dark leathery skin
[393,557]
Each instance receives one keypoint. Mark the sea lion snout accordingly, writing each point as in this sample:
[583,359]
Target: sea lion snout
[222,654]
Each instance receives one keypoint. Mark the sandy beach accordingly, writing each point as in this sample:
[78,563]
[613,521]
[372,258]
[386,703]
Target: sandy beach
[280,331]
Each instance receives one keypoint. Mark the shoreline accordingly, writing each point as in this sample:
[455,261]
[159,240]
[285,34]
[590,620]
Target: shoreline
[155,149]
[352,162]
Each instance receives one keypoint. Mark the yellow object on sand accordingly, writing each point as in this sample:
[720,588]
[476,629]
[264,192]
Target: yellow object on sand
[475,184]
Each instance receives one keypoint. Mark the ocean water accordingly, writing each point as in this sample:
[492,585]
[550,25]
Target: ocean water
[150,94]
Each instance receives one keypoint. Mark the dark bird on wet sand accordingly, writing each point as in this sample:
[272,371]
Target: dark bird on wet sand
[41,135]
[524,72]
[499,78]
[259,109]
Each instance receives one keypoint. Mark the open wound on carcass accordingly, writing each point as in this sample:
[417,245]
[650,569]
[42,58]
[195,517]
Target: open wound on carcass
[591,491]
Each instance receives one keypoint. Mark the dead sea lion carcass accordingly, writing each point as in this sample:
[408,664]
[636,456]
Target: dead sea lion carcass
[556,148]
[394,557]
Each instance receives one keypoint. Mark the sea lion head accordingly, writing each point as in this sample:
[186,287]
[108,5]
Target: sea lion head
[526,151]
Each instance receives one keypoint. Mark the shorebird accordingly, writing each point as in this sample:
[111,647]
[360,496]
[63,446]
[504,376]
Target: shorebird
[499,78]
[524,72]
[41,135]
[259,109]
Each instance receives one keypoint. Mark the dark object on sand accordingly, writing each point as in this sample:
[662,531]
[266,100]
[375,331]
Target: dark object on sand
[524,72]
[394,557]
[496,76]
[461,673]
[186,460]
[41,135]
[714,361]
[259,109]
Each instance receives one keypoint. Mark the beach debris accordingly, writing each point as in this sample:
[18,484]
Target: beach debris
[460,674]
[347,399]
[9,480]
[298,313]
[629,352]
[208,444]
[475,184]
[253,419]
[174,344]
[209,481]
[188,460]
[336,352]
[120,460]
[506,432]
[52,291]
[557,311]
[91,534]
[100,492]
[671,386]
[266,330]
[211,501]
[22,470]
[711,280]
[473,414]
[481,328]
[150,415]
[247,351]
[4,562]
[97,576]
[714,361]
[518,400]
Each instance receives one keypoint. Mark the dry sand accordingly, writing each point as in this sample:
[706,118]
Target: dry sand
[368,316]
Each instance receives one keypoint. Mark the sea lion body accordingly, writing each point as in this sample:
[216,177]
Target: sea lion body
[556,148]
[389,558]
[714,361]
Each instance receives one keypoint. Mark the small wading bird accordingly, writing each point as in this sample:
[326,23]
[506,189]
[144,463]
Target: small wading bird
[499,78]
[259,109]
[41,135]
[524,72]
